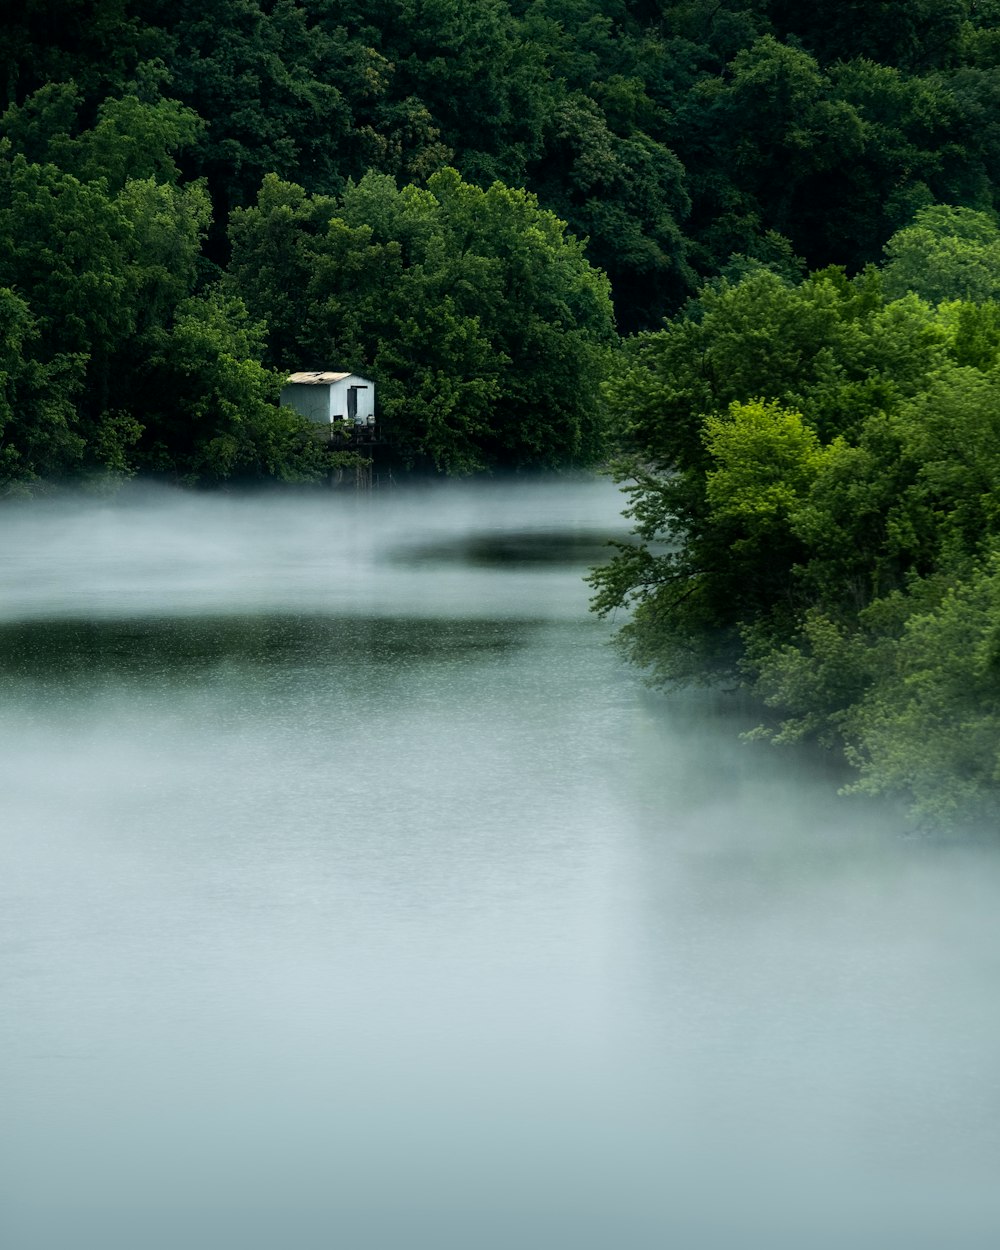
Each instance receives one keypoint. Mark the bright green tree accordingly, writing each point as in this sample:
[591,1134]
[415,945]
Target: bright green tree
[948,253]
[827,537]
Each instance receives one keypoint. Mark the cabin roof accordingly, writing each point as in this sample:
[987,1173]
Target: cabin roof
[316,378]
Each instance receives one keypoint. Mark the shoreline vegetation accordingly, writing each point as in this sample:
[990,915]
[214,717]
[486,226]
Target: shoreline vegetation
[748,249]
[813,487]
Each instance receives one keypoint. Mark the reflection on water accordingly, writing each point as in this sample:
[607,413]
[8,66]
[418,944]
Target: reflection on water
[53,655]
[353,894]
[508,548]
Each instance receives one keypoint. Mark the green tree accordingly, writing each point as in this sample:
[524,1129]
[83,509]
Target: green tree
[114,364]
[818,554]
[266,79]
[913,151]
[928,723]
[37,415]
[827,346]
[626,194]
[212,413]
[97,43]
[760,142]
[913,34]
[479,318]
[477,79]
[947,253]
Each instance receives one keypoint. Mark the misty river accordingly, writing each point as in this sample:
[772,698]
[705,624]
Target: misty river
[355,894]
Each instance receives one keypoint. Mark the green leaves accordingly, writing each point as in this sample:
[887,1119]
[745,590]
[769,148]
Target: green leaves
[480,319]
[212,413]
[765,460]
[110,363]
[927,723]
[829,466]
[947,253]
[135,136]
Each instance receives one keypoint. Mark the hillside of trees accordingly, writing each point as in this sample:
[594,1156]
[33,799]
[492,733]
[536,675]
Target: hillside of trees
[750,247]
[469,202]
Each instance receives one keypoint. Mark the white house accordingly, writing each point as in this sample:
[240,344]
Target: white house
[329,397]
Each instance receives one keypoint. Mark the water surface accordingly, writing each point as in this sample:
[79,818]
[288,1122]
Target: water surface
[353,894]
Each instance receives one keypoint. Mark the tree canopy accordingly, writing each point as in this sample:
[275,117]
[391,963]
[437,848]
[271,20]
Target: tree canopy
[814,482]
[481,320]
[669,136]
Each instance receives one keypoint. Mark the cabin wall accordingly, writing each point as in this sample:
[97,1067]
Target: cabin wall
[311,402]
[366,398]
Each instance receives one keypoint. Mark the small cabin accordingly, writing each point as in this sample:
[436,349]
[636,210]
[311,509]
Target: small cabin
[328,398]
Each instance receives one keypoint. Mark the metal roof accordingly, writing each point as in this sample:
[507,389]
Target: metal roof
[315,379]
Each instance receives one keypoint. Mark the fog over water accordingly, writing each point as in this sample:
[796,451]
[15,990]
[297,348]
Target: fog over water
[354,894]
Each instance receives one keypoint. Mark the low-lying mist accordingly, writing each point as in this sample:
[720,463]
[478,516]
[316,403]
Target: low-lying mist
[353,893]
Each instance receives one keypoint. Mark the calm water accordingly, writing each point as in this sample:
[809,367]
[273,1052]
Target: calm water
[354,895]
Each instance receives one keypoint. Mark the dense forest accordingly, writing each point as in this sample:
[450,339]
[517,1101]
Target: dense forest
[467,202]
[747,247]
